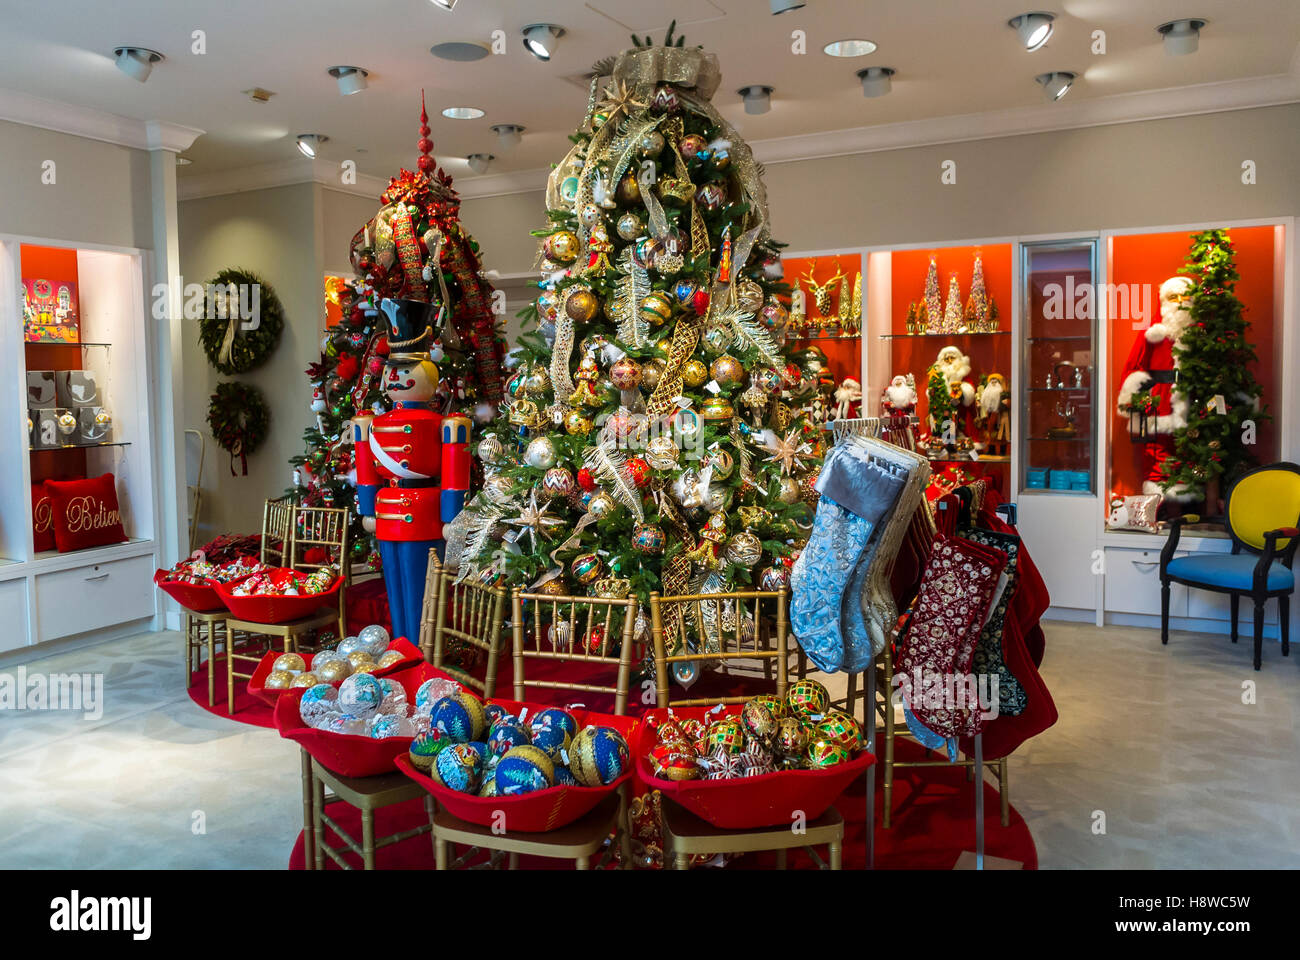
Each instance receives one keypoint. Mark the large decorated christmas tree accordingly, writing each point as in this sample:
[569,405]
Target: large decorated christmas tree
[393,255]
[652,440]
[1216,374]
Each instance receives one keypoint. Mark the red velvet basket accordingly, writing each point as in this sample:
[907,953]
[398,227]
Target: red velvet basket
[196,597]
[747,803]
[257,682]
[541,810]
[347,754]
[277,609]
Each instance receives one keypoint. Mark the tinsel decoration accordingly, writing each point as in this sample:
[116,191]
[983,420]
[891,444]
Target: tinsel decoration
[608,465]
[631,288]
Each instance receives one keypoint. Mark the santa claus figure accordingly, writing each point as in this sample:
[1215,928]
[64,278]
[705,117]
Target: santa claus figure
[994,404]
[954,367]
[1147,400]
[848,399]
[899,398]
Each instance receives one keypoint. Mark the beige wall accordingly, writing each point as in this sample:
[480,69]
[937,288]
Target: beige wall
[101,192]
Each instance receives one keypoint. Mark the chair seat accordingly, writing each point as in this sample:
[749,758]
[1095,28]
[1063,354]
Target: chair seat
[1234,571]
[580,838]
[323,617]
[368,793]
[690,834]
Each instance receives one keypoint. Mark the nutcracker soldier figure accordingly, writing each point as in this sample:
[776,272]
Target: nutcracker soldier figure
[417,462]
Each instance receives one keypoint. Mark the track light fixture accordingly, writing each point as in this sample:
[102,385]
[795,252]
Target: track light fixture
[508,134]
[137,62]
[309,143]
[445,4]
[1034,29]
[785,6]
[1056,84]
[876,81]
[540,39]
[1181,36]
[350,79]
[758,98]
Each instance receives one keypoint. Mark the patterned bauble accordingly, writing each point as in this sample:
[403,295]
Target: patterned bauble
[722,462]
[666,100]
[332,671]
[289,661]
[554,717]
[685,425]
[360,696]
[692,145]
[576,423]
[459,766]
[460,716]
[758,721]
[774,578]
[808,487]
[582,305]
[639,471]
[827,753]
[749,295]
[490,449]
[601,505]
[774,315]
[787,490]
[726,734]
[599,119]
[561,246]
[598,756]
[791,738]
[425,749]
[807,698]
[648,539]
[374,639]
[661,453]
[586,568]
[717,408]
[694,373]
[767,380]
[656,308]
[552,588]
[727,370]
[775,705]
[591,214]
[651,372]
[488,786]
[497,489]
[745,549]
[523,770]
[651,144]
[557,483]
[629,226]
[538,380]
[540,453]
[684,292]
[711,196]
[717,339]
[841,728]
[552,741]
[625,374]
[278,680]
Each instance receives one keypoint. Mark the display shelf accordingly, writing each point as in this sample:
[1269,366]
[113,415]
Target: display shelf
[968,333]
[93,554]
[856,336]
[80,446]
[993,458]
[1058,339]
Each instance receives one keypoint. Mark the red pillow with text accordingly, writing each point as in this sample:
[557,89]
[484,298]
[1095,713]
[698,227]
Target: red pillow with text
[85,512]
[42,519]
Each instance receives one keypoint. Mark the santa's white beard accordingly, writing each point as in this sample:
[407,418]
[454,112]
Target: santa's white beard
[901,396]
[991,398]
[955,371]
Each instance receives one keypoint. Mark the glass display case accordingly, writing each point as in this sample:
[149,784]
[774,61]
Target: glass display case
[1058,397]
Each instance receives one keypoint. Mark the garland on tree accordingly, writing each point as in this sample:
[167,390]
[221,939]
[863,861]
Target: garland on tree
[233,342]
[240,420]
[1215,373]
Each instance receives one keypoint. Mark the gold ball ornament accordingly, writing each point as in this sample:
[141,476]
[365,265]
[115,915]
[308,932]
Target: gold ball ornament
[561,246]
[625,374]
[838,727]
[827,753]
[791,739]
[808,488]
[716,339]
[652,372]
[629,226]
[368,667]
[291,662]
[745,549]
[758,722]
[787,490]
[749,295]
[538,380]
[628,191]
[691,145]
[727,370]
[599,119]
[717,408]
[358,658]
[582,305]
[694,373]
[279,680]
[662,453]
[727,734]
[651,144]
[332,671]
[722,462]
[306,679]
[553,588]
[388,658]
[602,505]
[656,308]
[807,699]
[577,423]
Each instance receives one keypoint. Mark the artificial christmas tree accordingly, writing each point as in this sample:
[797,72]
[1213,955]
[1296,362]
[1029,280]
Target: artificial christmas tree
[977,304]
[1216,378]
[652,440]
[931,312]
[952,309]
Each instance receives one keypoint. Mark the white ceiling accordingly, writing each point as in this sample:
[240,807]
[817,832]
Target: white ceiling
[953,57]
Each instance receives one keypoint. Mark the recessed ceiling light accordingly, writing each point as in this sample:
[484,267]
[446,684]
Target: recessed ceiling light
[309,143]
[1034,29]
[785,6]
[758,98]
[1181,36]
[183,161]
[479,162]
[460,51]
[445,4]
[849,48]
[540,38]
[462,113]
[351,79]
[876,81]
[510,134]
[137,62]
[1057,84]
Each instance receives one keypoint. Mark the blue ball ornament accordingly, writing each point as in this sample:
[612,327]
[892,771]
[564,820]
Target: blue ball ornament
[552,741]
[598,755]
[460,716]
[505,734]
[523,770]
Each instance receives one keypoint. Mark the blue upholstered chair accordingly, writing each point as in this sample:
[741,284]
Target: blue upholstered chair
[1262,517]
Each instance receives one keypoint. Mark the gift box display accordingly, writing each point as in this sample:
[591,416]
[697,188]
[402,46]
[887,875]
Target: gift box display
[52,427]
[95,425]
[76,388]
[41,390]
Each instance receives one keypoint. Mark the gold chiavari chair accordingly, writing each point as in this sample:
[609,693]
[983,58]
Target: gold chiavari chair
[565,625]
[429,607]
[471,614]
[742,641]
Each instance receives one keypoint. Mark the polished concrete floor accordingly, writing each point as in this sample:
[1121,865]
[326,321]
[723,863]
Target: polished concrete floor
[1175,757]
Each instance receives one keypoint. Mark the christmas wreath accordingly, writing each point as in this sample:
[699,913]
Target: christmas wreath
[241,322]
[239,419]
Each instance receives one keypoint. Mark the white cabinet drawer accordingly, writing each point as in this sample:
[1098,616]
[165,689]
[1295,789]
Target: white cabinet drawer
[1133,583]
[94,597]
[13,614]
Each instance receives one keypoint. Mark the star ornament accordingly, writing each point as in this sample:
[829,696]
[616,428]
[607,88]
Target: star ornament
[534,520]
[789,453]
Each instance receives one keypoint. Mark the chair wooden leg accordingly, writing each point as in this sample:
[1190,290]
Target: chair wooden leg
[230,676]
[368,839]
[317,827]
[682,861]
[212,692]
[513,862]
[440,853]
[308,815]
[781,859]
[1259,631]
[430,809]
[836,854]
[1004,792]
[1284,622]
[1164,611]
[582,863]
[1234,601]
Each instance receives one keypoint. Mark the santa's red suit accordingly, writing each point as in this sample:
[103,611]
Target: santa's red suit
[1151,366]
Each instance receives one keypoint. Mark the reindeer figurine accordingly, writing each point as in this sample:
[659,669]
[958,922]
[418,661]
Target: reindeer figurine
[822,292]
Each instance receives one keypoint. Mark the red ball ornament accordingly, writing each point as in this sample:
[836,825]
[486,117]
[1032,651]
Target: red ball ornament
[381,346]
[700,302]
[640,471]
[348,366]
[586,480]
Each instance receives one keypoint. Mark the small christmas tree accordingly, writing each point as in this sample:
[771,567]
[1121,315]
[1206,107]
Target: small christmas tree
[1215,374]
[932,308]
[952,310]
[977,304]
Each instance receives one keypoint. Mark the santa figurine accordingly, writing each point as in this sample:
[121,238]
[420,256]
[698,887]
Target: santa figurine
[1147,400]
[848,399]
[899,398]
[994,404]
[955,369]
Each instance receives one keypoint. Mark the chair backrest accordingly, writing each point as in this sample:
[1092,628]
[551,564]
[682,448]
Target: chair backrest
[429,608]
[277,531]
[744,626]
[324,529]
[1263,499]
[469,614]
[573,630]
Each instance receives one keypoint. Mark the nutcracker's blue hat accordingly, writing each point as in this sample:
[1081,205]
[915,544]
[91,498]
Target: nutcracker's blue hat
[410,329]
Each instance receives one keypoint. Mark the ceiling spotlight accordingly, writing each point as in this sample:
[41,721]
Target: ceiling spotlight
[849,48]
[1034,29]
[183,161]
[136,62]
[876,81]
[445,4]
[1181,36]
[351,79]
[509,134]
[758,98]
[1057,84]
[540,38]
[308,143]
[479,162]
[785,6]
[462,113]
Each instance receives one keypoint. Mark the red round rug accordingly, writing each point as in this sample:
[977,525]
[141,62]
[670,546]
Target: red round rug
[933,823]
[248,709]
